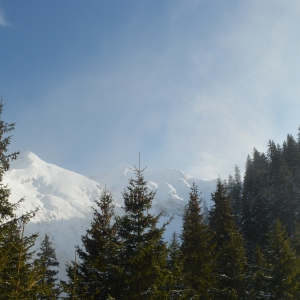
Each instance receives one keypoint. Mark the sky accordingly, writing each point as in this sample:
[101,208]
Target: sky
[193,85]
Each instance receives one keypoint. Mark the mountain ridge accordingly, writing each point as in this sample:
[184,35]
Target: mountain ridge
[65,198]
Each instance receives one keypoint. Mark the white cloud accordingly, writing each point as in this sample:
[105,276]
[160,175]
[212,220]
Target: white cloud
[3,20]
[210,101]
[252,94]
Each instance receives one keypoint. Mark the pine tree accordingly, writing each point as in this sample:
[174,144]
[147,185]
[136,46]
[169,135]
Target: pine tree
[234,188]
[232,265]
[291,154]
[19,272]
[8,221]
[220,215]
[197,250]
[260,200]
[285,196]
[94,276]
[47,257]
[259,276]
[247,219]
[75,287]
[295,243]
[175,287]
[256,212]
[282,265]
[143,256]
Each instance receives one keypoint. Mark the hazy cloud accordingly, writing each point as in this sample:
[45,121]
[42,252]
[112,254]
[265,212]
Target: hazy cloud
[3,20]
[197,95]
[254,96]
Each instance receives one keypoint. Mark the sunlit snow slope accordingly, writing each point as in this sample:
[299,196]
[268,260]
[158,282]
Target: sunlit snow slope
[64,198]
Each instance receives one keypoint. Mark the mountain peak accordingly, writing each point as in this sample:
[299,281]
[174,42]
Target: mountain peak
[25,159]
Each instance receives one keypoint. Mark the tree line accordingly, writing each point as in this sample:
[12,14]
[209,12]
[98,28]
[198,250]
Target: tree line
[246,246]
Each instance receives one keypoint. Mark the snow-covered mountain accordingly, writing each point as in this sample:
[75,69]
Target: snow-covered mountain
[64,198]
[172,187]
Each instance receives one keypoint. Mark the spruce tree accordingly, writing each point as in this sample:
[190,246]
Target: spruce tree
[234,188]
[19,272]
[174,286]
[276,269]
[94,276]
[256,212]
[260,201]
[259,276]
[197,250]
[291,154]
[295,240]
[220,215]
[143,256]
[283,265]
[8,219]
[231,269]
[285,198]
[47,257]
[75,287]
[247,219]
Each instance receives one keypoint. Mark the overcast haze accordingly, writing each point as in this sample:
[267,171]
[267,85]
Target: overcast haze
[192,85]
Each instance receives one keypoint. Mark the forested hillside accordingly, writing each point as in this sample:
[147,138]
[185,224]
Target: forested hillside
[269,192]
[247,246]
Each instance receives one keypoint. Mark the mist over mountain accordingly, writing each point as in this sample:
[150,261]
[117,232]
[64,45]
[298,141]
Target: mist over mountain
[65,198]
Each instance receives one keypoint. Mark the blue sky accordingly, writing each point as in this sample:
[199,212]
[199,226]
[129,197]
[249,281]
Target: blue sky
[192,85]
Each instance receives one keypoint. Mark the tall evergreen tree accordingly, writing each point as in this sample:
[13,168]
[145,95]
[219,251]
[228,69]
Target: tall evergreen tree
[295,243]
[220,215]
[291,154]
[260,201]
[197,250]
[255,202]
[285,195]
[75,287]
[247,219]
[19,273]
[143,256]
[274,156]
[175,286]
[282,265]
[95,275]
[47,257]
[8,219]
[232,265]
[234,188]
[259,276]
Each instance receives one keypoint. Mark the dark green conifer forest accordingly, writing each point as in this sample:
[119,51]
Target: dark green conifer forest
[246,246]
